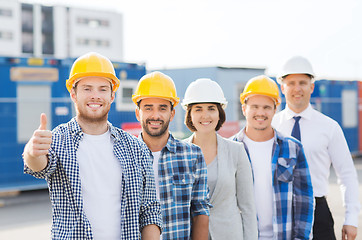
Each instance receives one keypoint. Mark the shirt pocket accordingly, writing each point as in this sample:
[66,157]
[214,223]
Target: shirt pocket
[182,188]
[285,169]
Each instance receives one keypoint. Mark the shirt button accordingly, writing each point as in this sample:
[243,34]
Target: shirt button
[183,180]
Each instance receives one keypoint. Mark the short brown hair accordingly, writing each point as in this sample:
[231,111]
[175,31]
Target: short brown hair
[275,104]
[76,85]
[190,125]
[139,104]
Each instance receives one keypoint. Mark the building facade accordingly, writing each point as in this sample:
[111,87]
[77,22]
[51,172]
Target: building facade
[58,31]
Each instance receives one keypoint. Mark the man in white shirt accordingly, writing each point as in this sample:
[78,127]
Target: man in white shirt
[100,179]
[324,144]
[282,184]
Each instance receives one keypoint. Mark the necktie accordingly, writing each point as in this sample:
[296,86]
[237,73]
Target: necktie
[296,128]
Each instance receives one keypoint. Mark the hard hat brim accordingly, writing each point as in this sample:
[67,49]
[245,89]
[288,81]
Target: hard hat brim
[184,104]
[281,77]
[137,98]
[77,77]
[244,97]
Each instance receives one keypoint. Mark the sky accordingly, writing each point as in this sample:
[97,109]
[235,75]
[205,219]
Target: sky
[239,33]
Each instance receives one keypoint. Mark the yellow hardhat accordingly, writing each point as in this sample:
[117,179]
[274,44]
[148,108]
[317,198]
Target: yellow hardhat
[156,85]
[92,65]
[261,85]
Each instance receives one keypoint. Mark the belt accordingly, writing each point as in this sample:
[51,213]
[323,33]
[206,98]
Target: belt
[320,199]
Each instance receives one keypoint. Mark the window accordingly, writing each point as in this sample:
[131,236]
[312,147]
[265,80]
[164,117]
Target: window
[27,28]
[47,30]
[93,23]
[27,17]
[32,100]
[6,12]
[6,35]
[124,95]
[349,108]
[127,94]
[28,42]
[93,42]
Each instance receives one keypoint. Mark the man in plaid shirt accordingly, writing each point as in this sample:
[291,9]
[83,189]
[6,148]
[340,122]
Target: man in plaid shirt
[180,169]
[282,184]
[100,179]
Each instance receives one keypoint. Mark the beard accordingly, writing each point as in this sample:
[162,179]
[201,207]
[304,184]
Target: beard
[93,117]
[154,133]
[262,128]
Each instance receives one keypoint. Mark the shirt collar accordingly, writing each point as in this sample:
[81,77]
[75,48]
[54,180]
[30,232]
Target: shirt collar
[240,136]
[76,130]
[115,136]
[307,113]
[170,145]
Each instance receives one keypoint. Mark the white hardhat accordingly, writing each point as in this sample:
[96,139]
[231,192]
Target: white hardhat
[296,65]
[204,90]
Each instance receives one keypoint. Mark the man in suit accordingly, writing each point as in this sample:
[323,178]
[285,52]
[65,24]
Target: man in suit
[324,145]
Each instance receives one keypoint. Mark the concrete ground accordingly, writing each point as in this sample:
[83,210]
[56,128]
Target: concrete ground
[25,216]
[335,201]
[28,215]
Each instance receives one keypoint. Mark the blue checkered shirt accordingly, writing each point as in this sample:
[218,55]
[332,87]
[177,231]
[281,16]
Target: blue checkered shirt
[139,206]
[292,187]
[182,175]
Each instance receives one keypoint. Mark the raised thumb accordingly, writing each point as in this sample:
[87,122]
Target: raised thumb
[43,122]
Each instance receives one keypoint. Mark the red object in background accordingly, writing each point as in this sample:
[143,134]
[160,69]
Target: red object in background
[360,115]
[229,129]
[133,128]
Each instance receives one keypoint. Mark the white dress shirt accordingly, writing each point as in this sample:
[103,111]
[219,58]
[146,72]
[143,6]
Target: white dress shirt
[324,144]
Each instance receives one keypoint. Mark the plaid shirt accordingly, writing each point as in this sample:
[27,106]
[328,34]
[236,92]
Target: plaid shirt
[182,175]
[139,206]
[292,187]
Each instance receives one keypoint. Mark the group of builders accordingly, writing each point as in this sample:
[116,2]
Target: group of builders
[267,182]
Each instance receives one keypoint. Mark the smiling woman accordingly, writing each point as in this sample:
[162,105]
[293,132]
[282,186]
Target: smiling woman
[233,215]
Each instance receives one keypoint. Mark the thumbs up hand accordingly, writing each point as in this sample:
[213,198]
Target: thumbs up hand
[41,140]
[36,149]
[43,122]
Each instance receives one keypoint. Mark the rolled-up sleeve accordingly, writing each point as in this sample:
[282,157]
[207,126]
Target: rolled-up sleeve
[48,170]
[200,203]
[150,210]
